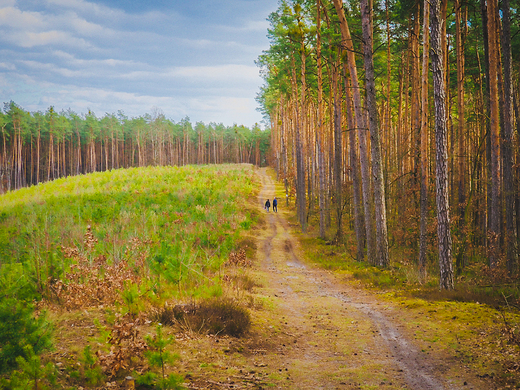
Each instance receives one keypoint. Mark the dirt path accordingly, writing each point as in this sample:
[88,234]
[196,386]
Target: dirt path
[313,331]
[342,337]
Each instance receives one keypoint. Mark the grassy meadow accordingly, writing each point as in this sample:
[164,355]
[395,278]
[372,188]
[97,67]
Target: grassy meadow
[115,245]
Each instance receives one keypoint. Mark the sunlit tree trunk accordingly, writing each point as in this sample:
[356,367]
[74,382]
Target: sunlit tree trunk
[78,154]
[319,131]
[38,140]
[354,165]
[360,122]
[300,169]
[338,155]
[461,125]
[507,142]
[423,243]
[377,166]
[415,97]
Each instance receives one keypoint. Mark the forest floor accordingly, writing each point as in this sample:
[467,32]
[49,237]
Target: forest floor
[313,330]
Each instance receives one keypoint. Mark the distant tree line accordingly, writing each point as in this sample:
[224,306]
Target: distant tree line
[37,147]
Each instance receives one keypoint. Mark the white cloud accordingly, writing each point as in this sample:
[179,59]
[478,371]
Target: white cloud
[87,7]
[7,66]
[30,29]
[72,60]
[229,72]
[17,19]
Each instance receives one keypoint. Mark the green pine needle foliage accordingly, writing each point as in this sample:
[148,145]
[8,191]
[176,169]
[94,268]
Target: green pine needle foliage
[159,356]
[32,373]
[21,331]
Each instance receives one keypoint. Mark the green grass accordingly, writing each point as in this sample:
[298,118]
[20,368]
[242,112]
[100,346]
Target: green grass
[180,222]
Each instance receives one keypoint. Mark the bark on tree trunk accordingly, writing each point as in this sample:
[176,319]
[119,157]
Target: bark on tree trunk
[377,166]
[443,219]
[319,131]
[507,143]
[494,122]
[461,129]
[423,243]
[360,122]
[354,165]
[338,156]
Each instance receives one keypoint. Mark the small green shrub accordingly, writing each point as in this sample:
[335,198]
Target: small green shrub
[92,371]
[20,328]
[158,356]
[32,373]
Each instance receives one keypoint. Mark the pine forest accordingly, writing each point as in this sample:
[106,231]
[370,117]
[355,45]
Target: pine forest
[38,147]
[397,122]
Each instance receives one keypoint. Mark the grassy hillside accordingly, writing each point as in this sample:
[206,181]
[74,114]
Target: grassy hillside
[119,243]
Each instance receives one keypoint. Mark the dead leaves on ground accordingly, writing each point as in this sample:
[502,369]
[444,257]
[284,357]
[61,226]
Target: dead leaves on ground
[94,281]
[125,344]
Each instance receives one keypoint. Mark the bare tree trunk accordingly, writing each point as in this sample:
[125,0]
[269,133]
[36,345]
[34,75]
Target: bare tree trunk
[50,154]
[360,122]
[494,231]
[507,143]
[461,128]
[354,165]
[484,15]
[338,156]
[423,243]
[300,169]
[319,132]
[38,155]
[443,218]
[377,166]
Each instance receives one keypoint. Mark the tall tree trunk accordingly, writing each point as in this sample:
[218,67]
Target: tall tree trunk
[507,142]
[415,138]
[423,243]
[319,131]
[360,122]
[461,128]
[487,110]
[494,122]
[354,165]
[338,155]
[377,166]
[517,170]
[38,140]
[443,218]
[300,168]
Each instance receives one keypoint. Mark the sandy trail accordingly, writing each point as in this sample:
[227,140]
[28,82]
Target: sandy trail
[313,330]
[342,337]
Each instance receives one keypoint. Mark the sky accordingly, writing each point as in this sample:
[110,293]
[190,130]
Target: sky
[183,58]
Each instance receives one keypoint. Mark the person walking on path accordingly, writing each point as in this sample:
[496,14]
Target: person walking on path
[275,205]
[267,205]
